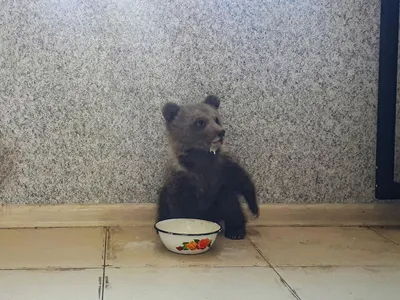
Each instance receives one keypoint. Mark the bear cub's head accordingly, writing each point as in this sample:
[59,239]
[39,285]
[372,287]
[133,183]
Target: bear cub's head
[194,125]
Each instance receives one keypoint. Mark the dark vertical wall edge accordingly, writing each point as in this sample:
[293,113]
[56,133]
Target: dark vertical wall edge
[386,188]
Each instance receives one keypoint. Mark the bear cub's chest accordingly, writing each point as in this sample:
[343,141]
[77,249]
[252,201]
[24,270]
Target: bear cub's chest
[205,169]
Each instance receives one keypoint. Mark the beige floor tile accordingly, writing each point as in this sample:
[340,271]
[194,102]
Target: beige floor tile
[51,248]
[343,283]
[325,246]
[194,283]
[392,234]
[50,285]
[141,246]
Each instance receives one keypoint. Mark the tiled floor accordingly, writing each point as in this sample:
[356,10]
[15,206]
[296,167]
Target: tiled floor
[314,263]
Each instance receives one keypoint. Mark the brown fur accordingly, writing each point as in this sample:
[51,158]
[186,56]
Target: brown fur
[183,133]
[200,184]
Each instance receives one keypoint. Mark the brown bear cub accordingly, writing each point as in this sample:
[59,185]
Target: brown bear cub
[204,182]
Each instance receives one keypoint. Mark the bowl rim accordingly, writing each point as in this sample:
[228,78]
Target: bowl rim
[187,234]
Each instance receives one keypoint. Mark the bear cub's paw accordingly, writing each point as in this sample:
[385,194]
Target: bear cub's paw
[235,233]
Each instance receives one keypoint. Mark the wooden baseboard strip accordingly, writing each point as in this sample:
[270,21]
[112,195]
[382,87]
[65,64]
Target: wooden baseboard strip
[71,215]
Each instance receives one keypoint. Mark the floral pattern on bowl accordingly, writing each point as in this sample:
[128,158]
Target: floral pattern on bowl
[195,245]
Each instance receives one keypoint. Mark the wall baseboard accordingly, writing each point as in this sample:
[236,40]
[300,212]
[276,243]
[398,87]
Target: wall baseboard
[93,215]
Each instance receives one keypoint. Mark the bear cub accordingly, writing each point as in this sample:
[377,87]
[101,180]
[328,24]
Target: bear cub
[204,182]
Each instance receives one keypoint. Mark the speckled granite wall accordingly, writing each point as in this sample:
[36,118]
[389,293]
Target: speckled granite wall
[82,84]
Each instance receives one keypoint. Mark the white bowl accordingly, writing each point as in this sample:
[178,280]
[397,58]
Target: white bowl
[187,236]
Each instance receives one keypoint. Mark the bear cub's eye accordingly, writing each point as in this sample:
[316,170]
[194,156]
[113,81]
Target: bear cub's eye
[217,121]
[200,123]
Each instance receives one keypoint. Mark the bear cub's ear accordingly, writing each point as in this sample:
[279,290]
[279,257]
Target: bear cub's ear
[170,110]
[213,101]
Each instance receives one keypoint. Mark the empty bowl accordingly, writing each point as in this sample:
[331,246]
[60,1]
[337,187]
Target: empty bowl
[187,236]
